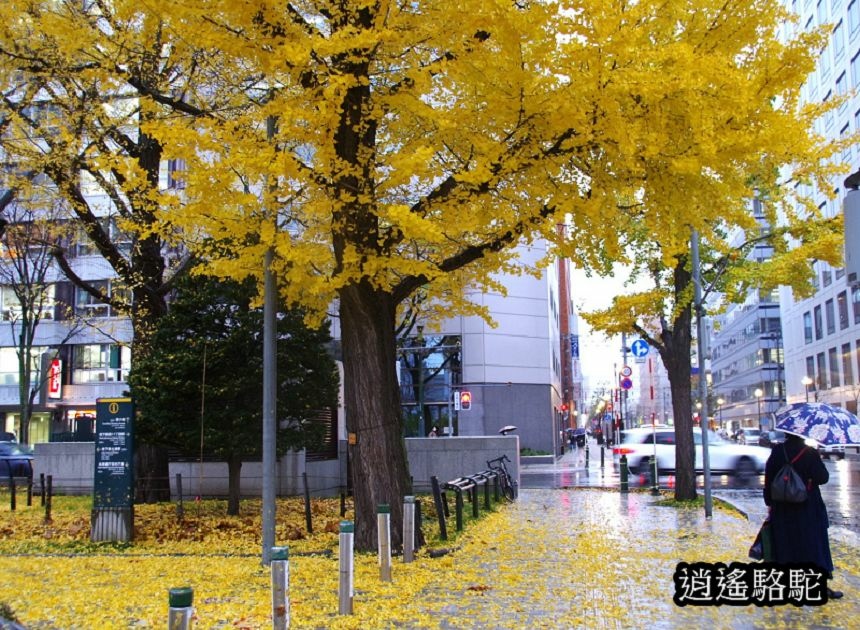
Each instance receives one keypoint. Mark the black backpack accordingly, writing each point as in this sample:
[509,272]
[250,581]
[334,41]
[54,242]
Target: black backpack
[787,486]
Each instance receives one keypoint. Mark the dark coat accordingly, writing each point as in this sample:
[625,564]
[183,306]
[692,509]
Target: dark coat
[799,530]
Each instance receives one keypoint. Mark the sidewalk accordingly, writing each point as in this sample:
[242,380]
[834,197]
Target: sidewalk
[589,558]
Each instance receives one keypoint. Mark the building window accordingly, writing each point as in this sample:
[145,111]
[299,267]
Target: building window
[847,371]
[100,363]
[821,381]
[833,361]
[88,305]
[855,302]
[853,16]
[842,307]
[122,240]
[838,41]
[810,367]
[175,174]
[819,328]
[10,306]
[830,317]
[9,374]
[807,327]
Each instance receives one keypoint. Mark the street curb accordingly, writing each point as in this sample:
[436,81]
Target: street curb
[735,506]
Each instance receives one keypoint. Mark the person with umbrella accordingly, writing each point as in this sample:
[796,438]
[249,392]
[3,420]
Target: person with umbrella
[799,530]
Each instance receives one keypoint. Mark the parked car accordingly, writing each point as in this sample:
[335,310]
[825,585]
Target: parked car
[748,436]
[832,450]
[7,436]
[15,460]
[769,439]
[744,461]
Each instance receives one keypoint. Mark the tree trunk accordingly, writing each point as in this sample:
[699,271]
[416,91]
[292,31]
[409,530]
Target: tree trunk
[675,352]
[151,472]
[380,472]
[234,475]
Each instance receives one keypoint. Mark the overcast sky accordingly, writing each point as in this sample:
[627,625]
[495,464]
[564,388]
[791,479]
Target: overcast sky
[600,356]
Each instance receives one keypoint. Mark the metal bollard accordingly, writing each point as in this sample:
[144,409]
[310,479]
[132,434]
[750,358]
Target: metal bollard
[180,508]
[586,456]
[623,472]
[280,563]
[655,478]
[180,611]
[602,451]
[345,589]
[408,529]
[383,538]
[49,498]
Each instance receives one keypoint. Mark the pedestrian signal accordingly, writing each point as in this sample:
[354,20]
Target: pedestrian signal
[465,401]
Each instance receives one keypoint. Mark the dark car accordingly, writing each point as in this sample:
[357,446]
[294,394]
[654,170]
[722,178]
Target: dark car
[771,438]
[15,460]
[7,436]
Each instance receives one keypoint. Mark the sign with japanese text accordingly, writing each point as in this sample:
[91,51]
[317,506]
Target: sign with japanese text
[114,472]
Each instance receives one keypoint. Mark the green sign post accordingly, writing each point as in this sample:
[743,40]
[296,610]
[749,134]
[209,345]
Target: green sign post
[113,487]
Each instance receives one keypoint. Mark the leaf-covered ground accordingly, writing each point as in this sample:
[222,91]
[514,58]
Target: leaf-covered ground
[555,559]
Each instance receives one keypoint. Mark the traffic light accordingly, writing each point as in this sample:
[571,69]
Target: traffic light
[564,407]
[465,401]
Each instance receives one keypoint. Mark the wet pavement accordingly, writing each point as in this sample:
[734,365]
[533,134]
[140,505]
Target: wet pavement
[578,468]
[592,558]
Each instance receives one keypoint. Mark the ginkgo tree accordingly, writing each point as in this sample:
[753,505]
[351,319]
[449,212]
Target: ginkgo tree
[662,312]
[381,148]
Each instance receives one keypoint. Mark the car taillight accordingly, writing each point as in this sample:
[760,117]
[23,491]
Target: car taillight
[621,450]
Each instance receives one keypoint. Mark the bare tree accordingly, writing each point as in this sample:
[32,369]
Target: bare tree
[27,274]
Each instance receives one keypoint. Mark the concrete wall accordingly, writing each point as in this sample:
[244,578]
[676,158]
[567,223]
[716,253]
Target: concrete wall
[71,465]
[449,458]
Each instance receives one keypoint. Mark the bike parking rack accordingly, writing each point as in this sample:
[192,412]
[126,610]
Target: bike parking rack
[468,485]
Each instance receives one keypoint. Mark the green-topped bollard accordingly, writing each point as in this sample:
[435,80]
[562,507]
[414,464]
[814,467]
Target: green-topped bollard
[622,464]
[345,589]
[383,540]
[280,563]
[655,478]
[179,614]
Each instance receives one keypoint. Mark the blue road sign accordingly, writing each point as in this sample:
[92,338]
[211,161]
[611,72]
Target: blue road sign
[639,348]
[626,382]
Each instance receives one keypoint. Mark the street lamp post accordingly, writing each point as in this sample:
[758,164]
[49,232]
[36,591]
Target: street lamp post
[720,403]
[807,381]
[758,394]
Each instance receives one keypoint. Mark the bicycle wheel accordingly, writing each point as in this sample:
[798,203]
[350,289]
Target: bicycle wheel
[509,492]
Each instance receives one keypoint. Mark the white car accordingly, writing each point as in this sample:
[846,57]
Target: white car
[744,461]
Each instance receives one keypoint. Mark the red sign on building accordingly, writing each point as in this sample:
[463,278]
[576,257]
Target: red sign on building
[55,379]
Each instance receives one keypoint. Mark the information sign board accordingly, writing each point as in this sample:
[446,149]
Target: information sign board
[114,471]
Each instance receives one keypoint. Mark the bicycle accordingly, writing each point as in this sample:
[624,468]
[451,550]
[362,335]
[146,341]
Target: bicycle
[506,482]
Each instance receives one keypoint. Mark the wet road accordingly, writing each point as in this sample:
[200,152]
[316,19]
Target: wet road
[841,494]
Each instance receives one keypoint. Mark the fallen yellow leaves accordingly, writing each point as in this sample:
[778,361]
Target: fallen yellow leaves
[555,559]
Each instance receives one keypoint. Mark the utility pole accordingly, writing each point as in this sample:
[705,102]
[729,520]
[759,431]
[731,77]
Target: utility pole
[703,386]
[270,365]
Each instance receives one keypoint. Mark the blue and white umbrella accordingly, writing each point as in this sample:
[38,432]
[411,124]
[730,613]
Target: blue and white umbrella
[821,422]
